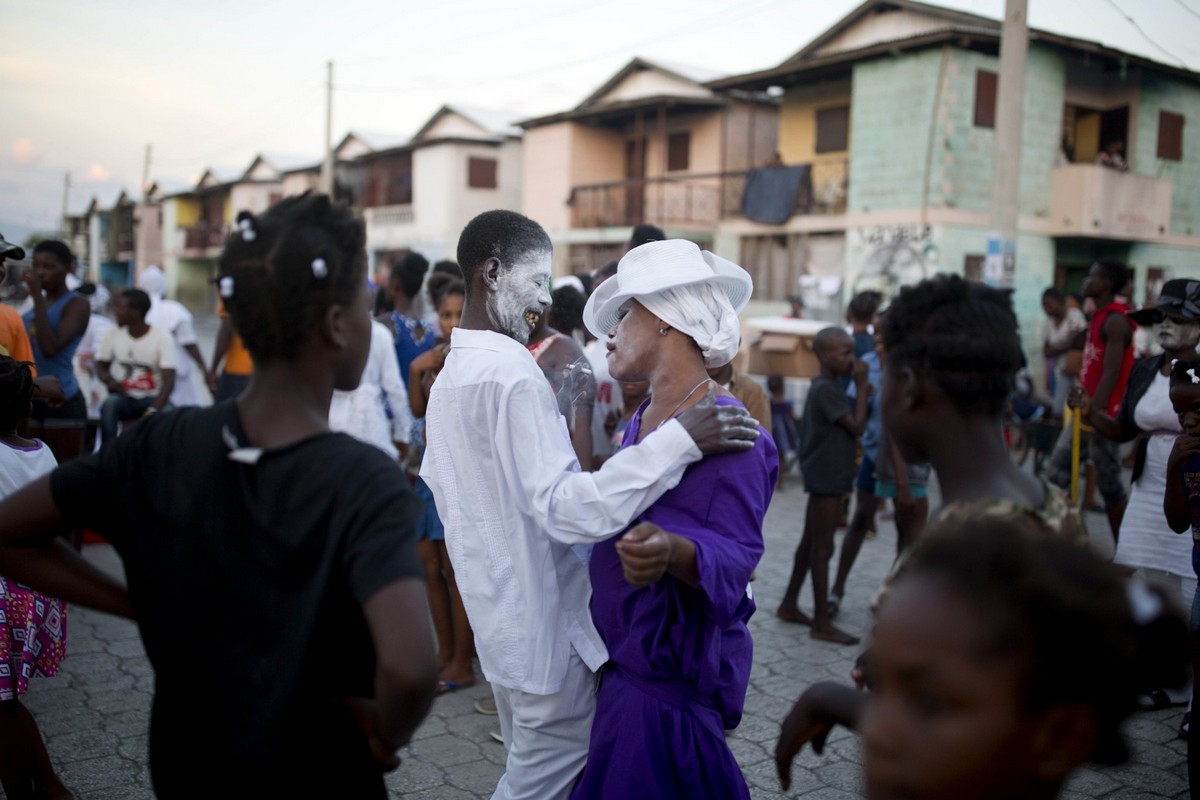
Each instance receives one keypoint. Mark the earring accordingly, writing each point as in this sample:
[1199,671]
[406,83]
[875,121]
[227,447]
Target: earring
[662,331]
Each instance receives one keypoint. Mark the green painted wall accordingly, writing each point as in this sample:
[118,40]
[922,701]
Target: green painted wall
[1165,93]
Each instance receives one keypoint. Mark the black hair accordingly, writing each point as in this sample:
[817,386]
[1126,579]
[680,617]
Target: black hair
[137,300]
[645,233]
[1183,369]
[566,309]
[16,389]
[959,333]
[1063,610]
[504,235]
[775,382]
[281,271]
[825,337]
[864,306]
[87,289]
[410,271]
[1116,273]
[435,283]
[1052,294]
[447,267]
[62,254]
[607,271]
[586,279]
[452,287]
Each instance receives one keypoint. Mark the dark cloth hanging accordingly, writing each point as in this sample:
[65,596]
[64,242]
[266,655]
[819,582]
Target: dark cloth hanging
[773,194]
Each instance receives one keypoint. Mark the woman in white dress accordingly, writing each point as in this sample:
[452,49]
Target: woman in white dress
[1146,543]
[377,412]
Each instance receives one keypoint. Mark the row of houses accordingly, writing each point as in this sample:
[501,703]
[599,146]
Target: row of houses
[863,161]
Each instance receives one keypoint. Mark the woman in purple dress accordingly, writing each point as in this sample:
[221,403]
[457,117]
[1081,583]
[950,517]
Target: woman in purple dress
[671,595]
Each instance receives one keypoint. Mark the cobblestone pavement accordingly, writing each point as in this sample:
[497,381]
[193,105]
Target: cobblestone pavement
[94,713]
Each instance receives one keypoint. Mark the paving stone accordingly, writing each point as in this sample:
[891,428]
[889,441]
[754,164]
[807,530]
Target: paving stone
[94,714]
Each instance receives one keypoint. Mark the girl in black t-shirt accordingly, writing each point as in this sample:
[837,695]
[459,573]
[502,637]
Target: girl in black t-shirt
[271,564]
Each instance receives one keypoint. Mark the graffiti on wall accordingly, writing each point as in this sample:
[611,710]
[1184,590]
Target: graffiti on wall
[892,256]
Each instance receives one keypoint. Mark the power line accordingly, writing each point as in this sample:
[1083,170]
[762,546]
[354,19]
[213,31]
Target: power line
[1188,9]
[1146,36]
[704,23]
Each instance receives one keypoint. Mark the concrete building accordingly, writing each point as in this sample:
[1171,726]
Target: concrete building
[652,145]
[899,97]
[418,194]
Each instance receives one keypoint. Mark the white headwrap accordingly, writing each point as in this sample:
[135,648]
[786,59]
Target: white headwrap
[153,282]
[703,313]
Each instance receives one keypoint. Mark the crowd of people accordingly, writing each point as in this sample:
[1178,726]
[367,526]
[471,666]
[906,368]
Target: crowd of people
[565,482]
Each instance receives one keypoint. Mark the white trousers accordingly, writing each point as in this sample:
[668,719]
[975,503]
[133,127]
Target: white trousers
[546,736]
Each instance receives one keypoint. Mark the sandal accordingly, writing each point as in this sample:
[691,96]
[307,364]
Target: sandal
[1155,700]
[1186,725]
[834,604]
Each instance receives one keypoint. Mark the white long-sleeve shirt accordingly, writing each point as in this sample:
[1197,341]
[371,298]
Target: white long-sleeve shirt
[510,493]
[361,412]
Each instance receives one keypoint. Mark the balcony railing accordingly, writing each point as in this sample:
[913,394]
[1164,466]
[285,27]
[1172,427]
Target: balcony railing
[1094,200]
[202,237]
[696,200]
[388,216]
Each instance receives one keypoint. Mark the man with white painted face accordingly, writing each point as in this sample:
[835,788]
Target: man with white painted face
[519,513]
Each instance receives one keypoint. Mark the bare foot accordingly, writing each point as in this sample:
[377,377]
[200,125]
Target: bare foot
[835,635]
[793,615]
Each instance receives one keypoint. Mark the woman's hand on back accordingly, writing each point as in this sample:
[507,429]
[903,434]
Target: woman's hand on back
[719,429]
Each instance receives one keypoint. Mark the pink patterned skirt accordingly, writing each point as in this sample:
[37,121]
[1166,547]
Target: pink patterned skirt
[33,636]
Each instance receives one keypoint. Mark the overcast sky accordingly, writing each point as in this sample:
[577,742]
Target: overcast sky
[87,84]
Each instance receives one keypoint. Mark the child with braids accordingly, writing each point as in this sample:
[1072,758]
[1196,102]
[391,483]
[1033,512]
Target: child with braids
[985,678]
[951,349]
[33,627]
[273,574]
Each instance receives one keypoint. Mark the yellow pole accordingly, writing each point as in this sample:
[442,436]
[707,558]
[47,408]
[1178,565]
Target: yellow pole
[1076,422]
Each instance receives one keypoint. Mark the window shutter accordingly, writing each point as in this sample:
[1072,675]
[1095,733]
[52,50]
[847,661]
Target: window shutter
[833,129]
[678,151]
[481,173]
[1170,135]
[985,98]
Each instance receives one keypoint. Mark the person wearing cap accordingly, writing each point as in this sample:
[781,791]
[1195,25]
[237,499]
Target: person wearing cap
[516,506]
[670,595]
[1146,543]
[13,339]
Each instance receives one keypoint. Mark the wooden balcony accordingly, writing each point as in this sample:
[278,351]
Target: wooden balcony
[695,201]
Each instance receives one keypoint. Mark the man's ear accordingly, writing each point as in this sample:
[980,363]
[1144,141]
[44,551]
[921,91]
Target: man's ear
[490,272]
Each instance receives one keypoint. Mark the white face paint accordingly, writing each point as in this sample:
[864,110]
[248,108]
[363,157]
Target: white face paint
[1174,334]
[522,295]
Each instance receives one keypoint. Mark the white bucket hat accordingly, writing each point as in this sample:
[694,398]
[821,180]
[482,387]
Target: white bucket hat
[649,272]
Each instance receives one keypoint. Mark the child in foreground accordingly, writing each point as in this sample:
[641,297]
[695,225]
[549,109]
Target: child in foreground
[983,666]
[271,563]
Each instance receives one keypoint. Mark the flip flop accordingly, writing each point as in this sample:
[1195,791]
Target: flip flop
[446,687]
[1156,700]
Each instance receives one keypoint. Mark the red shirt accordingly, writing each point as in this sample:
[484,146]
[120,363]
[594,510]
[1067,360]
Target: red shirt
[1093,357]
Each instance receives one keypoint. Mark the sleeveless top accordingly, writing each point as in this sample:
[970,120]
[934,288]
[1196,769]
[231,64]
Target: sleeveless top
[60,365]
[1093,358]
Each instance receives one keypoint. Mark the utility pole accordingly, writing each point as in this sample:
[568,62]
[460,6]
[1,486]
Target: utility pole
[62,221]
[1006,167]
[327,178]
[146,173]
